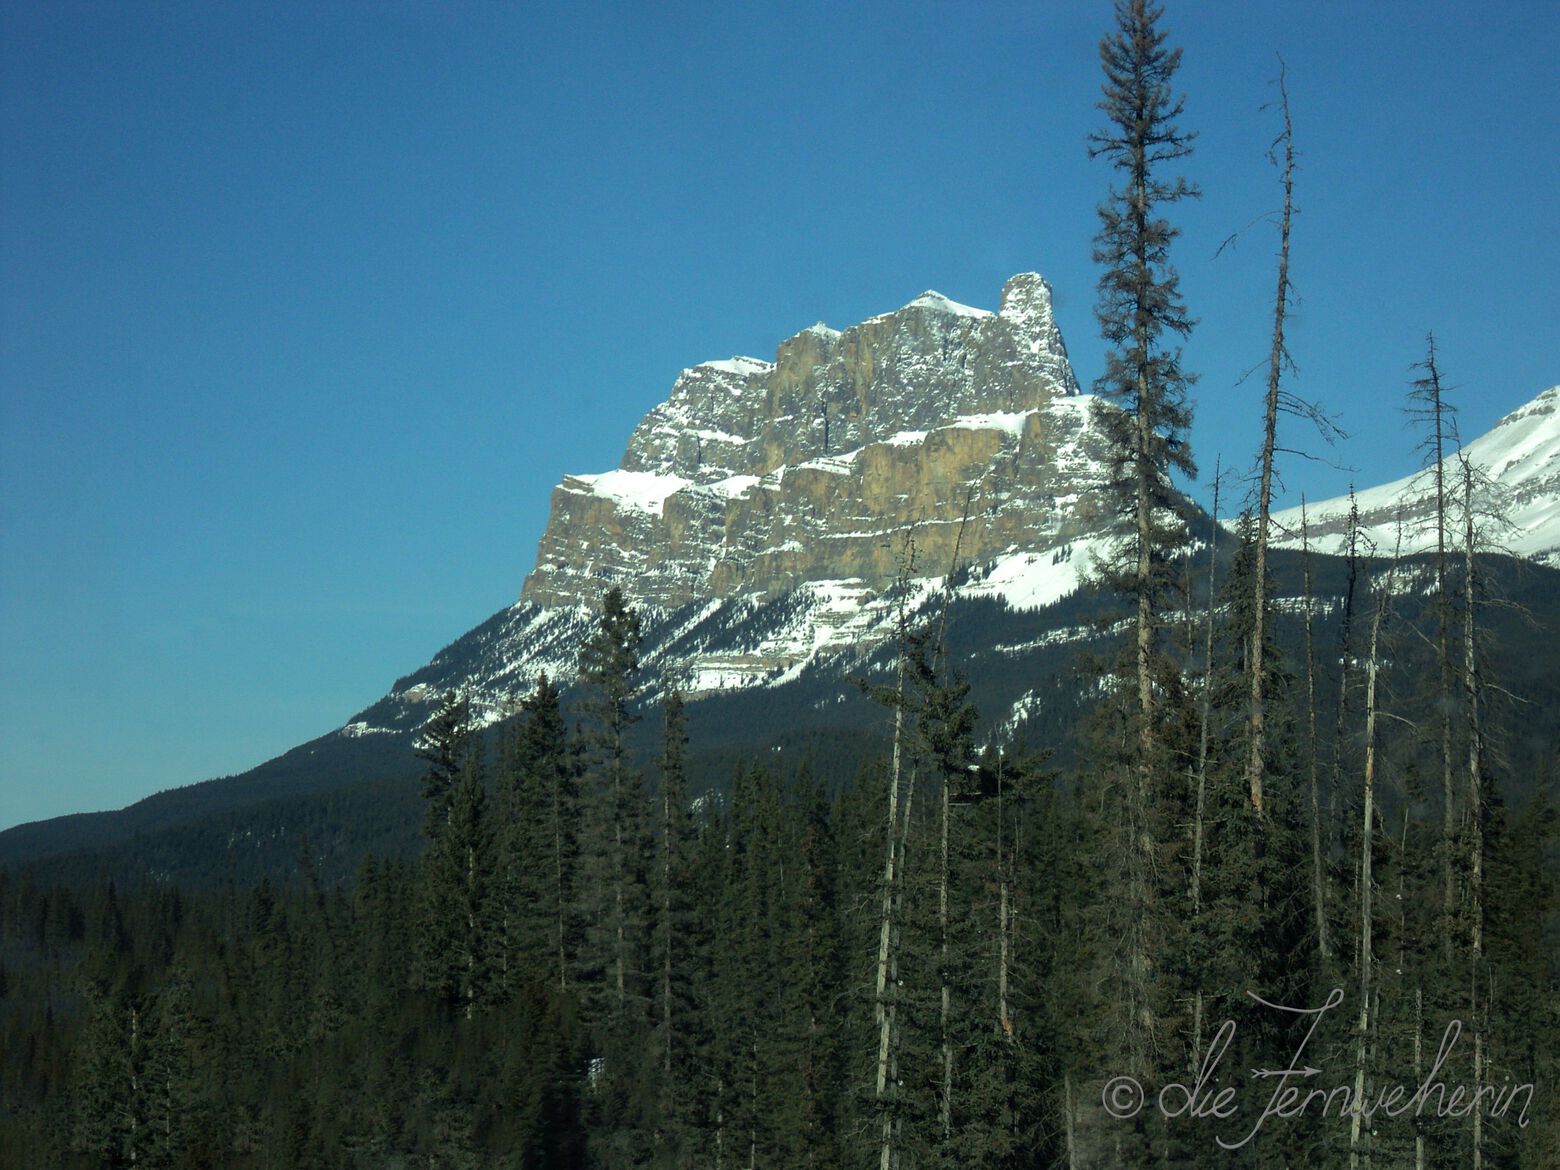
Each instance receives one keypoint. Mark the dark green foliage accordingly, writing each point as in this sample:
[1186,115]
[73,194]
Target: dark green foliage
[539,845]
[445,742]
[1140,298]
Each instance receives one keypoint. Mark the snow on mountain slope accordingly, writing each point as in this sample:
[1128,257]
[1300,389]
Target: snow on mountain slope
[758,477]
[1517,494]
[716,644]
[764,516]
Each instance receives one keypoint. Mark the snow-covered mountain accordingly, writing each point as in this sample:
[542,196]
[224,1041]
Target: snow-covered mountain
[763,514]
[755,477]
[1516,467]
[758,519]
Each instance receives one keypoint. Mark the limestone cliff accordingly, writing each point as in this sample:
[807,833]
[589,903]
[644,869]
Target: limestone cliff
[754,477]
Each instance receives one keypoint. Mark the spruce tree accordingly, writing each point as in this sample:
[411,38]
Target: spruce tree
[442,744]
[672,958]
[614,886]
[1144,413]
[541,843]
[1140,303]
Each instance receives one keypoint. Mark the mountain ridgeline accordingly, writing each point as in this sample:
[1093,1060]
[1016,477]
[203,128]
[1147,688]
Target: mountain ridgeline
[794,815]
[755,477]
[772,522]
[886,764]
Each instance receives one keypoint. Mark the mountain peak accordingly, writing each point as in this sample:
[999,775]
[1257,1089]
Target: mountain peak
[933,300]
[753,477]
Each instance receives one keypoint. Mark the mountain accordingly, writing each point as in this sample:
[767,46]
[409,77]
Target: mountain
[761,516]
[1516,466]
[755,477]
[770,521]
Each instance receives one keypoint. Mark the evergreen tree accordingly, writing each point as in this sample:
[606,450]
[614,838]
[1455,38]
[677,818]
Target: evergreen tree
[457,940]
[615,898]
[1147,416]
[540,843]
[442,744]
[673,990]
[1144,414]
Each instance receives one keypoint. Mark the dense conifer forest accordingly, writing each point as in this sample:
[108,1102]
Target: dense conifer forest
[1274,885]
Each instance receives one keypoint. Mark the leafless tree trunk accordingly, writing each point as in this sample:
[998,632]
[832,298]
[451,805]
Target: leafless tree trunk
[1419,1033]
[1476,804]
[887,967]
[1367,833]
[1345,656]
[1318,868]
[1428,405]
[1277,359]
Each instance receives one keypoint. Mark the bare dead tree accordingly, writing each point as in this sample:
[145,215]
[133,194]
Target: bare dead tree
[1318,865]
[1428,405]
[1367,835]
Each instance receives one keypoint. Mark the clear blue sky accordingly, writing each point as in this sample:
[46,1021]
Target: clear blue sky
[304,307]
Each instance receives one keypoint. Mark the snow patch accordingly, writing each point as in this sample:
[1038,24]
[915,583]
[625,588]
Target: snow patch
[743,366]
[1033,580]
[1010,421]
[644,491]
[731,486]
[937,303]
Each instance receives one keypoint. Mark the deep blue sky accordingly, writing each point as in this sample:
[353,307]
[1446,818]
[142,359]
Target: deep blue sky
[305,307]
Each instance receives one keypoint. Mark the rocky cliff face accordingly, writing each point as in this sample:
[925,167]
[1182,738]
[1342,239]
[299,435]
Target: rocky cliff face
[755,477]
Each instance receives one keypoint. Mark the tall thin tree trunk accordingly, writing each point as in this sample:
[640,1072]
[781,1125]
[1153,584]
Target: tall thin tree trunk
[560,897]
[1199,804]
[887,967]
[619,867]
[1419,1033]
[1004,945]
[1475,806]
[1318,867]
[945,1105]
[667,831]
[1367,833]
[1256,762]
[885,926]
[1443,643]
[753,1108]
[1345,658]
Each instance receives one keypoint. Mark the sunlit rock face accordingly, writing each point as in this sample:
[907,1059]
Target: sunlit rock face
[935,427]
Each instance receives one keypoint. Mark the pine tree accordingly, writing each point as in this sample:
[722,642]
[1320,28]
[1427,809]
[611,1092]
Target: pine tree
[614,888]
[442,744]
[541,843]
[467,850]
[1139,304]
[1144,414]
[609,665]
[672,931]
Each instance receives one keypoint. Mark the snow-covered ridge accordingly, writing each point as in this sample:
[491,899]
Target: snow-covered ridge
[1517,506]
[937,303]
[721,644]
[742,366]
